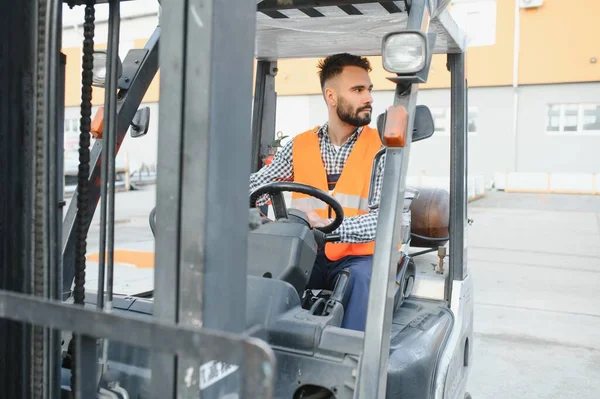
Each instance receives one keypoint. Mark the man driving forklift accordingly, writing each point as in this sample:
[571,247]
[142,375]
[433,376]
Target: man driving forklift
[337,157]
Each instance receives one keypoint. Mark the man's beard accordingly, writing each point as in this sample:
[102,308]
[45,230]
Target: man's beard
[346,115]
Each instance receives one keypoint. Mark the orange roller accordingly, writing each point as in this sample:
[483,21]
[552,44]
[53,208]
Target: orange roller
[97,124]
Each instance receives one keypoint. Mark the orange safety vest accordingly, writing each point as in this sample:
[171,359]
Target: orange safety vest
[351,189]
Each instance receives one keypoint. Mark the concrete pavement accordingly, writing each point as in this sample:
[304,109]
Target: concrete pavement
[536,264]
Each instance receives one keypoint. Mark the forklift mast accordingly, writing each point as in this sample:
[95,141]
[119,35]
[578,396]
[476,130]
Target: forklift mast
[211,139]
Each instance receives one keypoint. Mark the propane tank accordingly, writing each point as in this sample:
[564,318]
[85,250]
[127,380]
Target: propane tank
[430,218]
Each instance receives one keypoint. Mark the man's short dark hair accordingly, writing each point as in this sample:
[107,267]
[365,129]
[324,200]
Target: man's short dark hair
[333,65]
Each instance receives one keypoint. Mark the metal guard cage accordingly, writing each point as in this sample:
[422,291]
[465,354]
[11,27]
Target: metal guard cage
[197,62]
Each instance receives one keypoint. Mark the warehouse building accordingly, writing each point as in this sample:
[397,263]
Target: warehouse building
[534,93]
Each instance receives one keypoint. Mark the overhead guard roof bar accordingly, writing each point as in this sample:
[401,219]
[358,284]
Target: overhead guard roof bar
[298,28]
[272,7]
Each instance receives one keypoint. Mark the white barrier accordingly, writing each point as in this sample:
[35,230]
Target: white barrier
[556,183]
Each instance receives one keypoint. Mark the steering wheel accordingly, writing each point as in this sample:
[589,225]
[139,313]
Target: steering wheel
[275,190]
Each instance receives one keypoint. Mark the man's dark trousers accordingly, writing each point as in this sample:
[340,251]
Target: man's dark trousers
[355,307]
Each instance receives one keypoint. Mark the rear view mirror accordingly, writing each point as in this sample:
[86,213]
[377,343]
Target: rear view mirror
[140,123]
[423,126]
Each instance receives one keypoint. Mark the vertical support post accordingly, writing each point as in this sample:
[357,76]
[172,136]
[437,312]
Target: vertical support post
[54,116]
[264,111]
[56,278]
[17,46]
[111,129]
[372,375]
[202,210]
[168,187]
[458,170]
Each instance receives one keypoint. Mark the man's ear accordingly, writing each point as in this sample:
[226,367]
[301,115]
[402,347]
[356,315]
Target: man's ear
[330,96]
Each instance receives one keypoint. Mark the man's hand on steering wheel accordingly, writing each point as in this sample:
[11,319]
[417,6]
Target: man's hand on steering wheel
[313,218]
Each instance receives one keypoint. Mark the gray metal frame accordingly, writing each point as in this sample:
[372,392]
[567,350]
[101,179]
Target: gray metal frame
[295,28]
[255,359]
[458,170]
[264,111]
[54,167]
[372,373]
[202,211]
[128,103]
[201,235]
[159,337]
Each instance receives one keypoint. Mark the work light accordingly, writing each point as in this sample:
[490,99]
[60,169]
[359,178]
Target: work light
[405,52]
[99,69]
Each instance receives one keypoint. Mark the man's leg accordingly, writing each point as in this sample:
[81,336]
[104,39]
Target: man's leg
[320,276]
[355,312]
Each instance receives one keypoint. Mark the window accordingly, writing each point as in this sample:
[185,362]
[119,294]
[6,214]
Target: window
[72,125]
[442,120]
[573,118]
[590,117]
[472,120]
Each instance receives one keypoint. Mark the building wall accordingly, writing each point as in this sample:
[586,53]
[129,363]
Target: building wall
[137,151]
[543,52]
[134,33]
[558,41]
[491,141]
[575,149]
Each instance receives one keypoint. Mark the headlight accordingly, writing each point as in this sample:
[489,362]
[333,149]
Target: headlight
[405,52]
[99,69]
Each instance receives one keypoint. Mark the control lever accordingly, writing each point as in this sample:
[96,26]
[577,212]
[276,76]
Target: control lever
[332,237]
[339,294]
[341,285]
[322,238]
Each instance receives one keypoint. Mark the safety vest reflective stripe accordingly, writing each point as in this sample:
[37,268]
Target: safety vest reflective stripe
[351,189]
[311,202]
[355,202]
[352,201]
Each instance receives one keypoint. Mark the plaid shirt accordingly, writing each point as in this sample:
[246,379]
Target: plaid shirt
[356,229]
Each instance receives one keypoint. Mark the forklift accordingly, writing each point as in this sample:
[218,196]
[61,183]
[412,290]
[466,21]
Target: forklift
[229,315]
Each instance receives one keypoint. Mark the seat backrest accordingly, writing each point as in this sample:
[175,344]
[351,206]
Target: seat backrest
[152,221]
[381,124]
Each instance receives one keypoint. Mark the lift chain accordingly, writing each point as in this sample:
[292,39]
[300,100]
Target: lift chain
[84,165]
[84,152]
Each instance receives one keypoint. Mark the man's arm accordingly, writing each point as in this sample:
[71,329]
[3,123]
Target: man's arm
[362,228]
[279,170]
